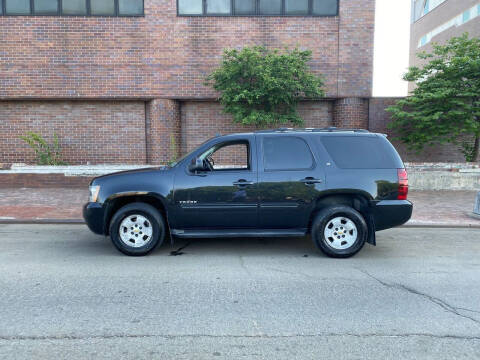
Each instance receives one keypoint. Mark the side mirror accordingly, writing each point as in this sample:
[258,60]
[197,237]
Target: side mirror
[197,164]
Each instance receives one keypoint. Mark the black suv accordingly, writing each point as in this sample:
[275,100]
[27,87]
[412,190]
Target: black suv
[339,185]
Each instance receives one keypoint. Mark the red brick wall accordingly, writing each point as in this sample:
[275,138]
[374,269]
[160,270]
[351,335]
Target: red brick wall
[51,60]
[121,131]
[162,55]
[351,113]
[378,120]
[203,120]
[89,131]
[72,57]
[355,46]
[43,181]
[163,131]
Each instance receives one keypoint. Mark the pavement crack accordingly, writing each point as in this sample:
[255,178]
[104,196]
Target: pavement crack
[439,302]
[469,310]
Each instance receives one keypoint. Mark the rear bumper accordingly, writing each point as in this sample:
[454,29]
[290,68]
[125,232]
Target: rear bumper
[94,215]
[391,213]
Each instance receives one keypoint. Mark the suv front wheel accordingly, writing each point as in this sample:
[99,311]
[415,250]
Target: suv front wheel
[339,231]
[137,228]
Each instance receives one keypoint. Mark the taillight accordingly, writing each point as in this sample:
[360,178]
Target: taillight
[402,184]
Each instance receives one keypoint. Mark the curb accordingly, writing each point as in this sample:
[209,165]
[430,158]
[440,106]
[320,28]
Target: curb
[442,226]
[42,222]
[82,222]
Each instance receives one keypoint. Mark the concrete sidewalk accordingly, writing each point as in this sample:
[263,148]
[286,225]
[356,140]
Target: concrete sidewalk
[431,208]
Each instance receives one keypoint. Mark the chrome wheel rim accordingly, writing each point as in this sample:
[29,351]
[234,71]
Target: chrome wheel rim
[135,231]
[340,233]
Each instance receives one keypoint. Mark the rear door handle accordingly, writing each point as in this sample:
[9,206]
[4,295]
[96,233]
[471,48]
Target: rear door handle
[242,182]
[310,181]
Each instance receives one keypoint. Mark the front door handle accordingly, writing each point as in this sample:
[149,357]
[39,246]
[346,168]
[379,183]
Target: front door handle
[242,183]
[310,181]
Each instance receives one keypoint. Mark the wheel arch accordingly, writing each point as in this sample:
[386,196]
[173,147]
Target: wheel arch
[115,202]
[357,200]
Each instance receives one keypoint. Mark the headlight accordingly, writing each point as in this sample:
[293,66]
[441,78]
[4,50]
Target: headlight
[94,190]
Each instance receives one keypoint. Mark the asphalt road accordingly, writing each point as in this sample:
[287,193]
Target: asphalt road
[66,293]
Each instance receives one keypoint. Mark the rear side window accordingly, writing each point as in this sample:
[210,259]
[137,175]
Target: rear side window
[286,153]
[362,152]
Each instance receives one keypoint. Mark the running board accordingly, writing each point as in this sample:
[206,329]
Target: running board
[237,233]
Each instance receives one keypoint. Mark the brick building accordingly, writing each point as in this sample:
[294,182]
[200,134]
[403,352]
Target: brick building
[121,81]
[438,21]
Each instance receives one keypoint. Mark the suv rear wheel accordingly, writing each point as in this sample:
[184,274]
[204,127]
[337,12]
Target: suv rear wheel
[137,228]
[339,231]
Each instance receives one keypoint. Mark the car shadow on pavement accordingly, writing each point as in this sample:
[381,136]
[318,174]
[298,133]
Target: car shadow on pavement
[100,245]
[290,247]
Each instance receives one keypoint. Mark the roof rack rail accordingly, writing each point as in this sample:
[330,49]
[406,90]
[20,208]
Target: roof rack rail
[325,129]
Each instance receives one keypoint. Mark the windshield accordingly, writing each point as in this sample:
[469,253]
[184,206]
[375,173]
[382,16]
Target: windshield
[175,163]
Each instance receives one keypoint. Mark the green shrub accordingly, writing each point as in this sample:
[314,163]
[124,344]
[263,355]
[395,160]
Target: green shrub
[45,153]
[259,86]
[173,150]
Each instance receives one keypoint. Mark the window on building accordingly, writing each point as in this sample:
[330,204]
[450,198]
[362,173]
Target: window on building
[325,7]
[17,7]
[190,7]
[258,7]
[130,7]
[244,7]
[102,7]
[45,7]
[418,9]
[218,6]
[270,7]
[458,20]
[423,7]
[286,153]
[296,7]
[73,7]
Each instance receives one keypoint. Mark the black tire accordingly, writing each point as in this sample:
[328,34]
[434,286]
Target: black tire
[152,215]
[322,219]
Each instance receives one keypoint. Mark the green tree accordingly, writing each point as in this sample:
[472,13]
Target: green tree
[445,105]
[260,86]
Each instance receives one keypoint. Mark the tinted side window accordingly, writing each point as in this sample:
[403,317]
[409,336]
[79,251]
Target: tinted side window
[362,152]
[233,155]
[286,153]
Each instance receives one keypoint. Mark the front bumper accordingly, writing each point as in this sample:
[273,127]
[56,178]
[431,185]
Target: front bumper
[391,213]
[94,215]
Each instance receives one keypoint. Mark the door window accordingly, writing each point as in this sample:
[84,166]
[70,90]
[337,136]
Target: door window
[229,156]
[286,153]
